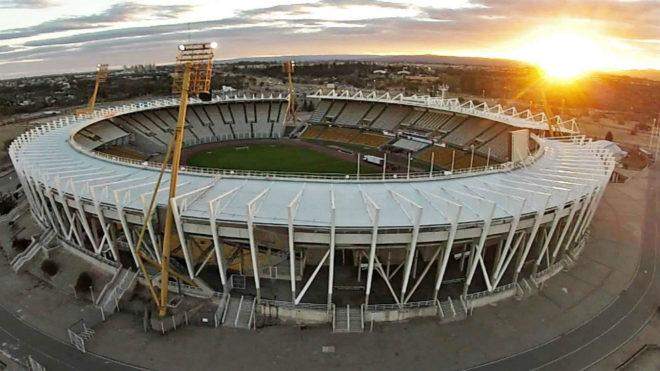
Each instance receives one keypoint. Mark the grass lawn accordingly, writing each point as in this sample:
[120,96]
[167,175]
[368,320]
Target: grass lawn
[275,157]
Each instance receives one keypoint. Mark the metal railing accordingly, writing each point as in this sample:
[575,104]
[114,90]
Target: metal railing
[79,334]
[361,317]
[394,306]
[183,288]
[446,308]
[334,317]
[511,116]
[273,175]
[35,365]
[498,289]
[182,318]
[26,255]
[252,323]
[291,305]
[90,253]
[79,122]
[224,312]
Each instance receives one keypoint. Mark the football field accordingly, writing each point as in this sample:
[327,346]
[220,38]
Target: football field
[276,157]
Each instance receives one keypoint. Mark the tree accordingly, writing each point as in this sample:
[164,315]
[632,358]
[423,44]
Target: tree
[20,244]
[6,144]
[609,136]
[84,281]
[50,267]
[7,203]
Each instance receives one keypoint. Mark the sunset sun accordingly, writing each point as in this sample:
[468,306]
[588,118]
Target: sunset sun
[565,53]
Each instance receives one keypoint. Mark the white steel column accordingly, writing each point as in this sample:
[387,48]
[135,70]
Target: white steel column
[65,205]
[447,252]
[442,205]
[374,213]
[219,256]
[567,225]
[605,179]
[553,226]
[311,278]
[415,219]
[586,203]
[514,206]
[292,209]
[37,207]
[42,208]
[186,200]
[333,223]
[251,209]
[83,218]
[537,222]
[58,216]
[477,259]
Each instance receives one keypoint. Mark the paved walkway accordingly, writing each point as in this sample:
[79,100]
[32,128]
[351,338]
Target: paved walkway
[21,340]
[590,343]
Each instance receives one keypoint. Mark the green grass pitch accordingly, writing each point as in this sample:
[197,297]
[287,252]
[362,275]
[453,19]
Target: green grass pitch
[275,157]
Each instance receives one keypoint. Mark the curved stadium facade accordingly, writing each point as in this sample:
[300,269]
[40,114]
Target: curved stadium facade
[439,241]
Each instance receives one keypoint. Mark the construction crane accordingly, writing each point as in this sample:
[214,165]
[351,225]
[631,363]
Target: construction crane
[192,75]
[290,116]
[101,76]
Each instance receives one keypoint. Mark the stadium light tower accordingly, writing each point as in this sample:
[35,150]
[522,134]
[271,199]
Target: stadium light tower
[443,91]
[192,75]
[101,76]
[288,67]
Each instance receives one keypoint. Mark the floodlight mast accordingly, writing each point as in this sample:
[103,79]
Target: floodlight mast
[196,60]
[168,238]
[192,75]
[101,76]
[290,117]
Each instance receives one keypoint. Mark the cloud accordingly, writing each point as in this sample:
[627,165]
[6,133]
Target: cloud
[24,4]
[322,27]
[116,14]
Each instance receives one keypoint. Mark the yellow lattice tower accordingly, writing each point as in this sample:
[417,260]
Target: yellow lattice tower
[193,72]
[290,116]
[101,76]
[199,59]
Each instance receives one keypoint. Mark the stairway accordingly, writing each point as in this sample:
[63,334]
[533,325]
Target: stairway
[240,312]
[115,290]
[41,242]
[347,319]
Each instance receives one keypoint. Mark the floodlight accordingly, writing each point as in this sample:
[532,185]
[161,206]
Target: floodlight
[198,57]
[213,45]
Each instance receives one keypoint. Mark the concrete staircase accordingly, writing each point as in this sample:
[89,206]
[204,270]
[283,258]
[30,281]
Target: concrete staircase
[347,319]
[122,282]
[39,243]
[240,312]
[451,310]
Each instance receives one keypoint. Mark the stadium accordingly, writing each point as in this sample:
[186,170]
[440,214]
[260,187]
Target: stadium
[378,207]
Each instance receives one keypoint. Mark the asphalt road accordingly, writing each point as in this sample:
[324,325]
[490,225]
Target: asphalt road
[596,339]
[23,340]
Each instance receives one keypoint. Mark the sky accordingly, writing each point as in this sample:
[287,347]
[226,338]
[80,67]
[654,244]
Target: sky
[57,36]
